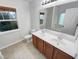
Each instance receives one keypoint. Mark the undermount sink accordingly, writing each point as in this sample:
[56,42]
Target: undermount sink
[52,37]
[48,35]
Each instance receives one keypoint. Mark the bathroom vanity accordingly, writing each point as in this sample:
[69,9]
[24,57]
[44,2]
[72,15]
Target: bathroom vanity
[52,45]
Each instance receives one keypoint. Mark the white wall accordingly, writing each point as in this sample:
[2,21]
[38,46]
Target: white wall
[35,6]
[23,18]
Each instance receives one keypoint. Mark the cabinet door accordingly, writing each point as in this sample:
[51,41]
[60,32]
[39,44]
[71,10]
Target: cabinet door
[48,50]
[34,40]
[40,44]
[61,55]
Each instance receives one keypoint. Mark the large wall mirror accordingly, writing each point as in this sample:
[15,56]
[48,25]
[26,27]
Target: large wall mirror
[62,18]
[7,19]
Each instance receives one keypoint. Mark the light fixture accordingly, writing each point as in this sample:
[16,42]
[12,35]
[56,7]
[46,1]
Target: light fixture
[45,2]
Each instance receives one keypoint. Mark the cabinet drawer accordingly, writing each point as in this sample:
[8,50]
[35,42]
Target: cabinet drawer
[40,45]
[58,54]
[48,50]
[34,40]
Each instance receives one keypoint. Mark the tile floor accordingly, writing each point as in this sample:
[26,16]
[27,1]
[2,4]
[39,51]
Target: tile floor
[22,50]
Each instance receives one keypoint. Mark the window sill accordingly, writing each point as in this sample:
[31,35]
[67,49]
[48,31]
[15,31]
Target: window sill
[7,20]
[10,31]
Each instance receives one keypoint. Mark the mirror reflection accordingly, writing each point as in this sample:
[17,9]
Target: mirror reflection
[63,18]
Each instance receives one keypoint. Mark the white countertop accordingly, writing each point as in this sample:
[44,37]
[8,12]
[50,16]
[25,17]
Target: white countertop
[64,45]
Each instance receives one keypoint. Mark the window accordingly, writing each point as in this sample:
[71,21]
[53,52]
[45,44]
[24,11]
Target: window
[41,17]
[61,19]
[5,15]
[12,15]
[9,15]
[8,21]
[1,18]
[9,25]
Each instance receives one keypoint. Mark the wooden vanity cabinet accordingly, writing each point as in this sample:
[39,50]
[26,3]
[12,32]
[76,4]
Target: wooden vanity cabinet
[58,54]
[48,50]
[34,40]
[40,45]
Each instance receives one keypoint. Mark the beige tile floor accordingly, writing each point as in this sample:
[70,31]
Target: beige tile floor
[22,50]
